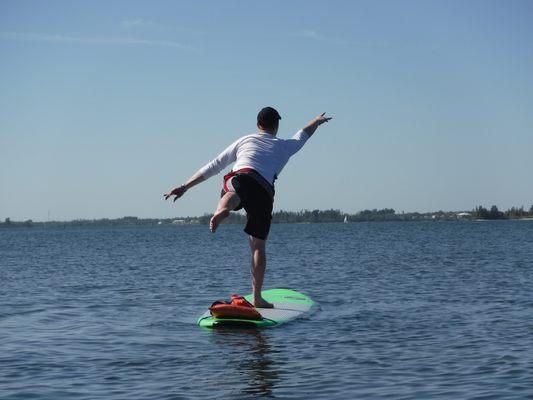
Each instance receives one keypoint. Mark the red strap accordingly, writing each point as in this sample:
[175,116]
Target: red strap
[232,174]
[240,301]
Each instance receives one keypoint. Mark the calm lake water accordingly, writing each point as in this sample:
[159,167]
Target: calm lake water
[434,310]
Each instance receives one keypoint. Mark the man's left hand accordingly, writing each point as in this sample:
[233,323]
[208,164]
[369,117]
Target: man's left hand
[178,192]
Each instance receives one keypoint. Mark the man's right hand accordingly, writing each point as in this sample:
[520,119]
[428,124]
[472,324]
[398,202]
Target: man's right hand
[177,191]
[321,119]
[310,128]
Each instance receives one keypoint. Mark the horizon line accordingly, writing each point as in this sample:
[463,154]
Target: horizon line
[274,212]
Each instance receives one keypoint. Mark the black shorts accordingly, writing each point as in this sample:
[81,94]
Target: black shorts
[258,205]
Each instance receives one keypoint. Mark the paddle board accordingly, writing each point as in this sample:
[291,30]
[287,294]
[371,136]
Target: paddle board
[288,304]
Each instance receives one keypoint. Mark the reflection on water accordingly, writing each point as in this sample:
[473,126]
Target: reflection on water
[248,353]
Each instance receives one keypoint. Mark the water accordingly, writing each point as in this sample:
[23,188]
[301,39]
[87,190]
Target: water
[405,311]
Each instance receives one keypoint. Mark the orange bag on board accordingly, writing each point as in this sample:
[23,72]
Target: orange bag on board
[239,308]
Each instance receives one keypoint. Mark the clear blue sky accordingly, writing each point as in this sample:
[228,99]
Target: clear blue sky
[104,105]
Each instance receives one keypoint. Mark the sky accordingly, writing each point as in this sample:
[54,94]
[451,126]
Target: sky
[105,105]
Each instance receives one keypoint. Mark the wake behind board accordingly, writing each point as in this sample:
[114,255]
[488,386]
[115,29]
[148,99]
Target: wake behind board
[288,304]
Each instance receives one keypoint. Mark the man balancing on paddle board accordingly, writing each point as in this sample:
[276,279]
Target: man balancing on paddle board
[259,158]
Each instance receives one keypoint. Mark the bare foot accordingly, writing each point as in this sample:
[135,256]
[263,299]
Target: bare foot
[262,303]
[217,219]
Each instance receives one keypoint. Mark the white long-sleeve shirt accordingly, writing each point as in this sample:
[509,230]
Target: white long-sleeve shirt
[263,152]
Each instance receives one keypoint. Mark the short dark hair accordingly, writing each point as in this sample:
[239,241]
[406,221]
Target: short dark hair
[268,118]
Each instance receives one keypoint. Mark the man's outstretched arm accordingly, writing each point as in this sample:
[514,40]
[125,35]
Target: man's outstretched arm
[180,190]
[294,144]
[225,158]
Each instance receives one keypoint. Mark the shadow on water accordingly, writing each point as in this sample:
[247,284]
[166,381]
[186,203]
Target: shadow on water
[248,354]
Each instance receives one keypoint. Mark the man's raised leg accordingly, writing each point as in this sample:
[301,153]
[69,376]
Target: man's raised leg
[228,202]
[257,246]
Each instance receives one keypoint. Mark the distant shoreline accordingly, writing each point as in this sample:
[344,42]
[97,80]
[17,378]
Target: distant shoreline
[304,216]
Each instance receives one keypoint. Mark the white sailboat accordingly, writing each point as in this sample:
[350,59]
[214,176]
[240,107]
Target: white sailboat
[345,219]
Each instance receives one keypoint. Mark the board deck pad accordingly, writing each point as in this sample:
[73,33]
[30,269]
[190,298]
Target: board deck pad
[288,304]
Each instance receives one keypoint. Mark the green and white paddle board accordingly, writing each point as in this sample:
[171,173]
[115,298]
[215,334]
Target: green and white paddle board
[288,304]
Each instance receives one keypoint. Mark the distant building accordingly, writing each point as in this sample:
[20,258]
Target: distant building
[463,215]
[179,222]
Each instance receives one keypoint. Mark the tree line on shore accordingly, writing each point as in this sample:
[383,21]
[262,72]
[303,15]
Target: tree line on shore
[481,212]
[304,216]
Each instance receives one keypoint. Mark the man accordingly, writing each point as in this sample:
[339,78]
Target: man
[259,158]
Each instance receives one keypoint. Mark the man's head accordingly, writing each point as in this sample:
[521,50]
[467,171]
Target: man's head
[268,120]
